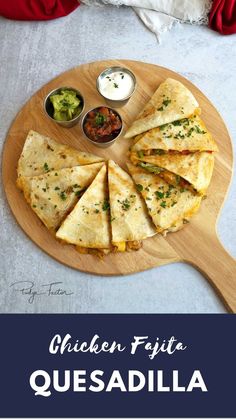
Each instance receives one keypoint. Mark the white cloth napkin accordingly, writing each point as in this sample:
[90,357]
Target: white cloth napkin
[160,15]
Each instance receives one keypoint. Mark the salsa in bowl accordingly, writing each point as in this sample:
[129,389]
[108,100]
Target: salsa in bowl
[102,126]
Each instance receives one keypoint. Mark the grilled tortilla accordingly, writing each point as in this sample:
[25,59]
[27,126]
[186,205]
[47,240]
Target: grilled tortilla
[171,101]
[192,171]
[41,154]
[186,134]
[169,207]
[129,218]
[53,195]
[88,225]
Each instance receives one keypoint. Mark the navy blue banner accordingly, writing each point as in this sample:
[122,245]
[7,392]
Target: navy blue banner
[117,366]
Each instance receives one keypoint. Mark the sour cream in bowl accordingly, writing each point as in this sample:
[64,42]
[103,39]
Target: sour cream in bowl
[116,85]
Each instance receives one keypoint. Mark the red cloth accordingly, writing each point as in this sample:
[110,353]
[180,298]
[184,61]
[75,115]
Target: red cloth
[36,9]
[222,16]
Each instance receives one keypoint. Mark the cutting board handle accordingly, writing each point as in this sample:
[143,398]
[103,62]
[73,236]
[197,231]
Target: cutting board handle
[219,267]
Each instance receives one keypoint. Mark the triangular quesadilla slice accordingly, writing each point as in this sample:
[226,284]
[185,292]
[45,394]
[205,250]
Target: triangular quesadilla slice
[192,171]
[88,225]
[53,195]
[188,134]
[169,207]
[171,101]
[130,222]
[41,154]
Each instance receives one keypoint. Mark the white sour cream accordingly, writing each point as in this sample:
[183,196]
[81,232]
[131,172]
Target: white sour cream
[117,85]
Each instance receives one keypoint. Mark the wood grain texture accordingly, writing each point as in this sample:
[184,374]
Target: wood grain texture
[196,244]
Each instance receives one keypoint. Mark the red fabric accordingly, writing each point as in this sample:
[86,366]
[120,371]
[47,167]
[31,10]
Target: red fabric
[36,9]
[222,16]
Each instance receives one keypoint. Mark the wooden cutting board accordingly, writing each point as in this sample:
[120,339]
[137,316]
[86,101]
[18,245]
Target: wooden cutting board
[196,244]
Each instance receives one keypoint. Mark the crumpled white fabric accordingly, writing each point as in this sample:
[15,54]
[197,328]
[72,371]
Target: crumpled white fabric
[160,15]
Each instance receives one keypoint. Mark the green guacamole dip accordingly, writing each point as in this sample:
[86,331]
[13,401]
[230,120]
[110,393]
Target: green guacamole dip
[66,105]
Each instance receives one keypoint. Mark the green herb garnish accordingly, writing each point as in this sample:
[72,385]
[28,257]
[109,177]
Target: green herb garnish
[139,187]
[105,205]
[163,204]
[100,119]
[63,196]
[46,168]
[159,195]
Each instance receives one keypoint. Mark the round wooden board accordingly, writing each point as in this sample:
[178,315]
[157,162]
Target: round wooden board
[193,244]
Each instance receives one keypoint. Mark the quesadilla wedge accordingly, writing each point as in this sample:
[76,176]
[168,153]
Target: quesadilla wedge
[169,207]
[53,195]
[130,222]
[41,154]
[185,135]
[192,171]
[88,225]
[171,101]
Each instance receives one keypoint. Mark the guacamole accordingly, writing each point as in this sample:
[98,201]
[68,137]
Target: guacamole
[66,105]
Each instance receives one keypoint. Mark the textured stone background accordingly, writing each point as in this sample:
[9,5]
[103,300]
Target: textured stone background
[31,53]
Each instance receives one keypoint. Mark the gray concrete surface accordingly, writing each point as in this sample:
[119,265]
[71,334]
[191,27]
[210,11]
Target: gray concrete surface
[31,53]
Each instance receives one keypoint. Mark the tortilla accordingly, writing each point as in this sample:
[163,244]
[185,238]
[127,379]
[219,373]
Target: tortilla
[186,134]
[41,154]
[53,195]
[169,207]
[129,217]
[171,101]
[88,225]
[195,168]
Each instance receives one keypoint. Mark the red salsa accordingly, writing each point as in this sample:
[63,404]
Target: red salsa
[102,124]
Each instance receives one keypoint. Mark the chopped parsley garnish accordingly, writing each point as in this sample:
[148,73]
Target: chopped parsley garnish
[100,119]
[163,204]
[63,196]
[173,203]
[190,132]
[165,103]
[44,189]
[179,135]
[96,211]
[46,168]
[159,195]
[57,188]
[125,204]
[168,193]
[116,85]
[139,187]
[56,174]
[105,205]
[162,127]
[198,130]
[177,123]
